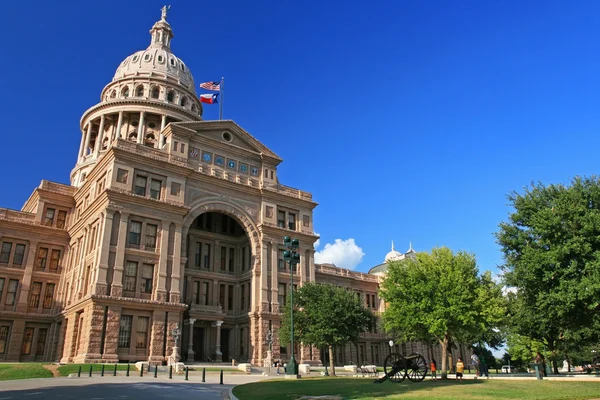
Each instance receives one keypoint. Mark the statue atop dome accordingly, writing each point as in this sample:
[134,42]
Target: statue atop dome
[164,12]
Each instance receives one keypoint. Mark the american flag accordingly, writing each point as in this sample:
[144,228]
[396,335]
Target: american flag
[211,86]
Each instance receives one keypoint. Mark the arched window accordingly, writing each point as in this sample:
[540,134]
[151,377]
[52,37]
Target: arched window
[193,107]
[105,143]
[155,93]
[183,101]
[139,91]
[113,94]
[132,136]
[170,97]
[125,92]
[150,140]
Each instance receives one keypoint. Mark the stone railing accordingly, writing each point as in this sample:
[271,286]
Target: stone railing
[329,270]
[289,191]
[17,216]
[57,188]
[206,309]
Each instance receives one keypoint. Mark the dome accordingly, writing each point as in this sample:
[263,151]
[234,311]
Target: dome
[157,60]
[393,254]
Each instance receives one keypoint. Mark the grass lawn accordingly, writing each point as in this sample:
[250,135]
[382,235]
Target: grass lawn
[358,388]
[23,371]
[65,370]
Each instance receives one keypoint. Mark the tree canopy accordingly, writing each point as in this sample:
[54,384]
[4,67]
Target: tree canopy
[325,316]
[551,248]
[440,296]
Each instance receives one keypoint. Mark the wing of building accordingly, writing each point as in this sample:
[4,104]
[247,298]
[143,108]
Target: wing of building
[170,235]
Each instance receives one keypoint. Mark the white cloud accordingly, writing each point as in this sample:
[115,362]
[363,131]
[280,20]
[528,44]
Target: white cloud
[505,289]
[318,242]
[343,253]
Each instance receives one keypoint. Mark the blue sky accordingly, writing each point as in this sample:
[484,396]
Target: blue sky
[407,120]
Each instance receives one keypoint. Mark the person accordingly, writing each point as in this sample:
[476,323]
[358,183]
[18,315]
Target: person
[484,369]
[539,359]
[433,369]
[475,361]
[460,368]
[277,364]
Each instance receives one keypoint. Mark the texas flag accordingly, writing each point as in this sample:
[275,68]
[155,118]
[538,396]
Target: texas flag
[209,98]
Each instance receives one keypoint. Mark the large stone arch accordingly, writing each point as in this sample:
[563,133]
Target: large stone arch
[217,204]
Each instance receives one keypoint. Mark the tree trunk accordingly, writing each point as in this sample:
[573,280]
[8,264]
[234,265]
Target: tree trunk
[444,344]
[331,363]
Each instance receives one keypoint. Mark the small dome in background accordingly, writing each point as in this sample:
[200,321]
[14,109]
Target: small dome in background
[393,254]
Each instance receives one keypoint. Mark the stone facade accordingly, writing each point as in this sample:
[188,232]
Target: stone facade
[170,234]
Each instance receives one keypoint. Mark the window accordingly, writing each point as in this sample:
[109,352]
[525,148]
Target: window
[147,276]
[231,258]
[125,330]
[243,297]
[41,341]
[125,92]
[155,186]
[280,260]
[183,101]
[230,298]
[61,220]
[206,260]
[35,294]
[292,221]
[281,219]
[135,232]
[243,258]
[141,335]
[130,276]
[122,175]
[155,93]
[204,293]
[1,286]
[196,292]
[42,256]
[150,242]
[5,252]
[222,295]
[139,92]
[54,259]
[19,253]
[11,294]
[175,188]
[49,218]
[48,296]
[27,340]
[223,257]
[170,97]
[282,295]
[140,185]
[3,338]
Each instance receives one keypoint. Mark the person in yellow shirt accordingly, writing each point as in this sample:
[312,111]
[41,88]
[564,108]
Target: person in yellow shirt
[460,368]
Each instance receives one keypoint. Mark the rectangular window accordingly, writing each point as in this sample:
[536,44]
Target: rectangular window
[42,256]
[49,296]
[292,221]
[35,294]
[280,260]
[243,258]
[141,334]
[230,298]
[19,254]
[41,341]
[54,259]
[206,255]
[223,257]
[222,295]
[281,296]
[155,186]
[3,338]
[196,292]
[1,287]
[49,218]
[5,252]
[135,232]
[27,340]
[130,276]
[281,219]
[125,330]
[11,292]
[198,254]
[231,258]
[151,236]
[368,301]
[61,220]
[204,293]
[147,277]
[175,188]
[243,297]
[140,185]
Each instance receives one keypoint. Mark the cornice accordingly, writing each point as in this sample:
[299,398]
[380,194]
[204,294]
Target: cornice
[128,301]
[117,198]
[273,230]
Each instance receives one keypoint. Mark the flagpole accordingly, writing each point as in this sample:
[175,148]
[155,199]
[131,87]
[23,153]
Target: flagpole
[221,90]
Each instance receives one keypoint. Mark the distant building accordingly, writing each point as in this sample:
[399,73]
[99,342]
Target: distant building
[170,222]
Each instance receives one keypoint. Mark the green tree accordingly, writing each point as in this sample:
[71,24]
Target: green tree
[551,248]
[440,295]
[325,316]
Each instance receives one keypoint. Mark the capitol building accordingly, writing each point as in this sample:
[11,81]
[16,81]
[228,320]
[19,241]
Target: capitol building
[170,233]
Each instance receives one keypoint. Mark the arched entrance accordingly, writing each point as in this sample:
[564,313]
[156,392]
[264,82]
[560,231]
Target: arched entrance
[220,243]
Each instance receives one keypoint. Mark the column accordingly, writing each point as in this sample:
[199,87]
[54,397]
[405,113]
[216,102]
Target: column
[81,145]
[175,293]
[263,283]
[99,137]
[161,139]
[120,125]
[140,134]
[26,283]
[88,137]
[156,337]
[117,282]
[111,338]
[274,280]
[218,341]
[104,248]
[190,351]
[161,288]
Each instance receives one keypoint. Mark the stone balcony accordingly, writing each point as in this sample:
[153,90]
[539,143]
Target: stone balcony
[204,311]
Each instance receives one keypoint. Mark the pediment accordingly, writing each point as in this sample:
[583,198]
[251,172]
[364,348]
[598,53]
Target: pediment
[227,134]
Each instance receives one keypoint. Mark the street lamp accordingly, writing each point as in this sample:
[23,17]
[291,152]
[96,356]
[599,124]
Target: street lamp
[293,258]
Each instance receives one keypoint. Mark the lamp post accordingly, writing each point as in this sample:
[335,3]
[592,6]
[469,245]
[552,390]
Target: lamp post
[292,257]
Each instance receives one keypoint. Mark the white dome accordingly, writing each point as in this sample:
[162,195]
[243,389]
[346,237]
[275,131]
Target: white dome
[157,60]
[393,254]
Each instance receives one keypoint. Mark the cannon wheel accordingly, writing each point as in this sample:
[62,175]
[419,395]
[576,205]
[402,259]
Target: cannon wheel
[395,360]
[416,368]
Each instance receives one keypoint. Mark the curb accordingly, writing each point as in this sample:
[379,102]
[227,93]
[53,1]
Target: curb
[231,395]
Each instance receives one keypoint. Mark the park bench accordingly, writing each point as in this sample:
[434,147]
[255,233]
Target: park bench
[368,370]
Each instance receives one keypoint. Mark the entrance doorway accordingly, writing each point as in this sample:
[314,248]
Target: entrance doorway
[198,344]
[225,344]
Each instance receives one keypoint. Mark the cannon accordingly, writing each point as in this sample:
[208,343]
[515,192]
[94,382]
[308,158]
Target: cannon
[398,367]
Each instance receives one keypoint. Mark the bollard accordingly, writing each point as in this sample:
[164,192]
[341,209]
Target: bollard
[186,373]
[115,370]
[127,373]
[142,371]
[203,374]
[90,371]
[170,372]
[79,372]
[221,378]
[102,371]
[155,370]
